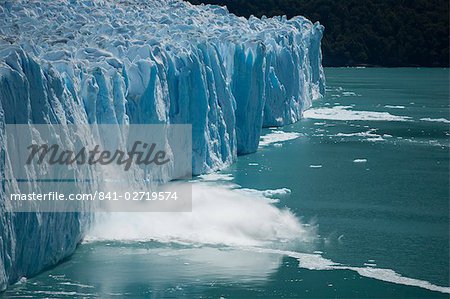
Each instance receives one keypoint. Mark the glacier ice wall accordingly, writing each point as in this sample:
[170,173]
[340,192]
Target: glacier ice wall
[137,62]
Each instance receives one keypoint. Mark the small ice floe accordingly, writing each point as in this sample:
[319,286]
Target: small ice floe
[276,192]
[345,113]
[360,161]
[68,283]
[370,264]
[370,133]
[277,137]
[216,177]
[376,139]
[315,166]
[394,107]
[438,120]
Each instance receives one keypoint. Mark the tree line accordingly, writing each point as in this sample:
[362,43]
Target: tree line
[371,32]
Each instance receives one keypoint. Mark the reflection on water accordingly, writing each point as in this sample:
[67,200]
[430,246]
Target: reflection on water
[155,270]
[148,267]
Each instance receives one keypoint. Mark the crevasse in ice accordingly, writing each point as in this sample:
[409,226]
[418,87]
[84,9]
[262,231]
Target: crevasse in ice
[137,62]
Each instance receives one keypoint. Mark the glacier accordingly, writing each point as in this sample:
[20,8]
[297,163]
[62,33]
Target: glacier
[144,62]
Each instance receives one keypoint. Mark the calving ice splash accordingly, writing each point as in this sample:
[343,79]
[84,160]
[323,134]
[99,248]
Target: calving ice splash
[222,214]
[140,62]
[239,220]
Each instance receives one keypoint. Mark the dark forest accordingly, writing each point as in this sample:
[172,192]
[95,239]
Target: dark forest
[387,33]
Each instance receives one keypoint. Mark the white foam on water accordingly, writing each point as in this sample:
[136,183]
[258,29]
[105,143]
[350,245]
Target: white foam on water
[212,177]
[277,137]
[270,193]
[308,261]
[389,275]
[344,113]
[440,120]
[317,262]
[394,107]
[375,139]
[220,215]
[67,283]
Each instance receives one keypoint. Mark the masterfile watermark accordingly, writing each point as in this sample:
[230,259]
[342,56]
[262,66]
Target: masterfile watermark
[56,155]
[71,168]
[96,196]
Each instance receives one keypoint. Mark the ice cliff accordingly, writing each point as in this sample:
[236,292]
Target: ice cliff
[137,62]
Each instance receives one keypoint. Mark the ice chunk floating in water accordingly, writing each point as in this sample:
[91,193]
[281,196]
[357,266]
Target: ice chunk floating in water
[439,120]
[138,62]
[345,113]
[360,161]
[276,137]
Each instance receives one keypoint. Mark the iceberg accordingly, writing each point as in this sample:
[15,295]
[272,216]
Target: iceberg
[144,62]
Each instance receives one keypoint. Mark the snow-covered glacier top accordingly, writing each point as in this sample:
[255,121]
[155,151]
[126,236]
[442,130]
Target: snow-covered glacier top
[95,30]
[140,62]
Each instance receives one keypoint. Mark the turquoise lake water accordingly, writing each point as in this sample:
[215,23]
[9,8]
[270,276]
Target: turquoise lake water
[356,204]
